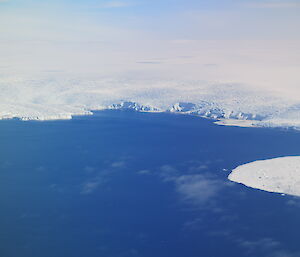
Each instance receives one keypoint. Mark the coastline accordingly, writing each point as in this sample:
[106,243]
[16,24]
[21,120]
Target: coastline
[211,114]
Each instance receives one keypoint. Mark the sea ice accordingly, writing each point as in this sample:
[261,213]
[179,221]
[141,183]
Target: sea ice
[280,175]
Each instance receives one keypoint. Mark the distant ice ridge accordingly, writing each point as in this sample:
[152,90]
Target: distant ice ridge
[47,98]
[133,106]
[280,175]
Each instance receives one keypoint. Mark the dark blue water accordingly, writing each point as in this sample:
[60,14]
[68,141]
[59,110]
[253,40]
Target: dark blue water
[126,184]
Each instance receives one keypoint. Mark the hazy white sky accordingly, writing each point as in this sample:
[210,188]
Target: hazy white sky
[242,41]
[163,19]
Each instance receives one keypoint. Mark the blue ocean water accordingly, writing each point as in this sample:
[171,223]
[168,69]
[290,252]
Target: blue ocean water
[126,184]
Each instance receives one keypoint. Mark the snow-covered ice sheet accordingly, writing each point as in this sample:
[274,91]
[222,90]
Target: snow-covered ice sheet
[44,98]
[231,81]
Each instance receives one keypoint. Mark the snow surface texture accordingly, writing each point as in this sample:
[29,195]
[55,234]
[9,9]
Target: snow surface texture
[48,98]
[241,83]
[280,175]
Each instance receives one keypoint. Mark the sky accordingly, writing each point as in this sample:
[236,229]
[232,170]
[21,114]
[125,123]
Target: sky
[164,19]
[135,32]
[238,42]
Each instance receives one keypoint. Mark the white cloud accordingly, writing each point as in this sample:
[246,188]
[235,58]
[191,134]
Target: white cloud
[198,189]
[262,244]
[168,172]
[267,246]
[90,186]
[143,172]
[89,169]
[118,164]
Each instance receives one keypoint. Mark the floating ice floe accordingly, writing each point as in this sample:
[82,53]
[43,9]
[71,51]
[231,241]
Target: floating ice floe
[280,175]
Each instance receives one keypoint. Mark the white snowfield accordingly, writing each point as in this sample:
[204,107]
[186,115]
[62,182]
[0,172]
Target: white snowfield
[280,175]
[56,98]
[239,83]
